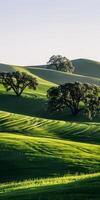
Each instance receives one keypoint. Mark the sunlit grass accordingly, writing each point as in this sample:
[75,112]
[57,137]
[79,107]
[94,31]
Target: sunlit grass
[33,126]
[42,157]
[39,151]
[59,187]
[11,186]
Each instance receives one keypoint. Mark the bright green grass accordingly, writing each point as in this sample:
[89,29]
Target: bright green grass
[24,157]
[32,102]
[43,84]
[75,131]
[83,187]
[37,147]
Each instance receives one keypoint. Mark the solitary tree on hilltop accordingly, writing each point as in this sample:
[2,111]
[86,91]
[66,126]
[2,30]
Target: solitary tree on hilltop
[17,81]
[61,63]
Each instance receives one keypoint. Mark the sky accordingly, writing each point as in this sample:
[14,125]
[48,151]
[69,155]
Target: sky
[31,31]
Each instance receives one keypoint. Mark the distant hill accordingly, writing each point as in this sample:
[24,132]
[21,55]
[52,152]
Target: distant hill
[59,77]
[87,67]
[85,71]
[6,68]
[84,67]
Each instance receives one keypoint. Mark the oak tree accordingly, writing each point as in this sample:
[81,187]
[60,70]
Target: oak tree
[17,81]
[61,63]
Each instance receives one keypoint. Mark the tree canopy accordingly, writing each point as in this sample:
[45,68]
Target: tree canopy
[72,96]
[17,81]
[61,63]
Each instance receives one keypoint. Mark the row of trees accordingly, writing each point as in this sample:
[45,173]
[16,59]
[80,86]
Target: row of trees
[75,96]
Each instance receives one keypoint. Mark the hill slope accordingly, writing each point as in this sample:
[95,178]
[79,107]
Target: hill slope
[87,67]
[84,187]
[32,148]
[24,157]
[40,127]
[59,77]
[85,71]
[83,67]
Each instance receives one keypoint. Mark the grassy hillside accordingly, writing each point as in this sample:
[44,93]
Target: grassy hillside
[88,132]
[56,157]
[83,66]
[84,187]
[6,68]
[42,154]
[85,71]
[87,67]
[58,77]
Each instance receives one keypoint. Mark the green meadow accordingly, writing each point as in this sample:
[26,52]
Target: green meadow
[45,156]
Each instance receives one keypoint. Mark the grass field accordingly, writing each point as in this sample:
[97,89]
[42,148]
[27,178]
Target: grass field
[66,187]
[62,77]
[87,67]
[83,67]
[46,156]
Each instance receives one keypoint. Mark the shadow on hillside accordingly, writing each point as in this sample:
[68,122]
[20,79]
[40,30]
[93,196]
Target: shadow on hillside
[36,107]
[88,188]
[19,167]
[23,105]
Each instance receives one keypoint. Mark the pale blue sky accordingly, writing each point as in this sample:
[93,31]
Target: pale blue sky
[33,30]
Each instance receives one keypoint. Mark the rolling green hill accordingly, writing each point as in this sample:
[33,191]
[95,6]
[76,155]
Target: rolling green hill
[6,68]
[23,157]
[88,132]
[85,71]
[84,187]
[83,67]
[46,156]
[87,67]
[59,77]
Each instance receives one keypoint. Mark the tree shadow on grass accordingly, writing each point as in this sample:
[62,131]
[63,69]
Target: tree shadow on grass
[32,105]
[17,167]
[25,105]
